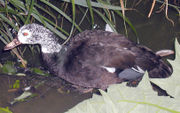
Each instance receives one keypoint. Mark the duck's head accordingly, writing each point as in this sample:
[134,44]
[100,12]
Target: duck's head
[35,34]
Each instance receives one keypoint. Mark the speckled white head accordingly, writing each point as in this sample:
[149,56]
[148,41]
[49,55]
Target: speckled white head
[34,34]
[24,36]
[37,34]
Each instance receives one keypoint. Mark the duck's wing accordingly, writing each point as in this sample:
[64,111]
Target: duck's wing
[104,48]
[119,52]
[90,55]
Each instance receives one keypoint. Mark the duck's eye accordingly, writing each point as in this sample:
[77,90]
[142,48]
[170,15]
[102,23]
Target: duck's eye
[25,34]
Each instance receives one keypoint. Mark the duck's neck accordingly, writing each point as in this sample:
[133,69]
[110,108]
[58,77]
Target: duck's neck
[51,47]
[55,60]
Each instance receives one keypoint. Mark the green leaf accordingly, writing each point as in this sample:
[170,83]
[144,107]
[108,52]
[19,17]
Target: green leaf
[5,110]
[172,83]
[39,71]
[122,99]
[8,68]
[16,84]
[94,4]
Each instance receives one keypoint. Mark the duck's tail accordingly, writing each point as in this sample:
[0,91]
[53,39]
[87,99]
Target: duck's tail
[162,70]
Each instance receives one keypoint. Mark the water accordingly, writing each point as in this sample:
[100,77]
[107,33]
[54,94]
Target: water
[156,33]
[48,99]
[52,102]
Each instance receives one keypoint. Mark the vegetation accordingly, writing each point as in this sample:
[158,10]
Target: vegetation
[16,13]
[5,110]
[56,15]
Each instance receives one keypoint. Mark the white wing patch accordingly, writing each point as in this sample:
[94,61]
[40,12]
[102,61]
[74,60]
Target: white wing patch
[139,70]
[113,69]
[109,69]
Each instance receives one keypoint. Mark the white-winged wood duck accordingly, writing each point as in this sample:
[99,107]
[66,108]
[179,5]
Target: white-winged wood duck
[93,58]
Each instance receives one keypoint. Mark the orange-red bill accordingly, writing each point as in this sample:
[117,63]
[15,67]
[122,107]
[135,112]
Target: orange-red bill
[15,42]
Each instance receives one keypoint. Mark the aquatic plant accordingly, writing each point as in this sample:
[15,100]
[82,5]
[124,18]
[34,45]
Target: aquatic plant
[54,16]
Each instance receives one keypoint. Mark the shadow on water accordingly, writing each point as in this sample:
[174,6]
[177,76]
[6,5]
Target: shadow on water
[52,102]
[156,33]
[49,99]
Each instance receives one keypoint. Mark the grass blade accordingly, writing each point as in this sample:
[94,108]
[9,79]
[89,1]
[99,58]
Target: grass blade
[5,19]
[29,12]
[60,12]
[128,22]
[49,26]
[83,3]
[91,12]
[105,19]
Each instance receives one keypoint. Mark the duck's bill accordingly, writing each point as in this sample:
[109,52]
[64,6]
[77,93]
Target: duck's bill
[165,52]
[15,42]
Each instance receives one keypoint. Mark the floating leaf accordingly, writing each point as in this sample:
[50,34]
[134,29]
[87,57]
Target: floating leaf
[22,97]
[8,68]
[5,110]
[39,72]
[20,74]
[172,84]
[122,99]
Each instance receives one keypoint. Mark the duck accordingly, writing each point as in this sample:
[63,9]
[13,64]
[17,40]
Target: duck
[93,59]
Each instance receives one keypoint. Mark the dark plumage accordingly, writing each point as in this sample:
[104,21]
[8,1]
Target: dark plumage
[85,59]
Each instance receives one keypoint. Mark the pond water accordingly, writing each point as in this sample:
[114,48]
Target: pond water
[156,33]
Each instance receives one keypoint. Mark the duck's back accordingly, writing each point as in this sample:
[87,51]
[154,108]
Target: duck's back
[91,53]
